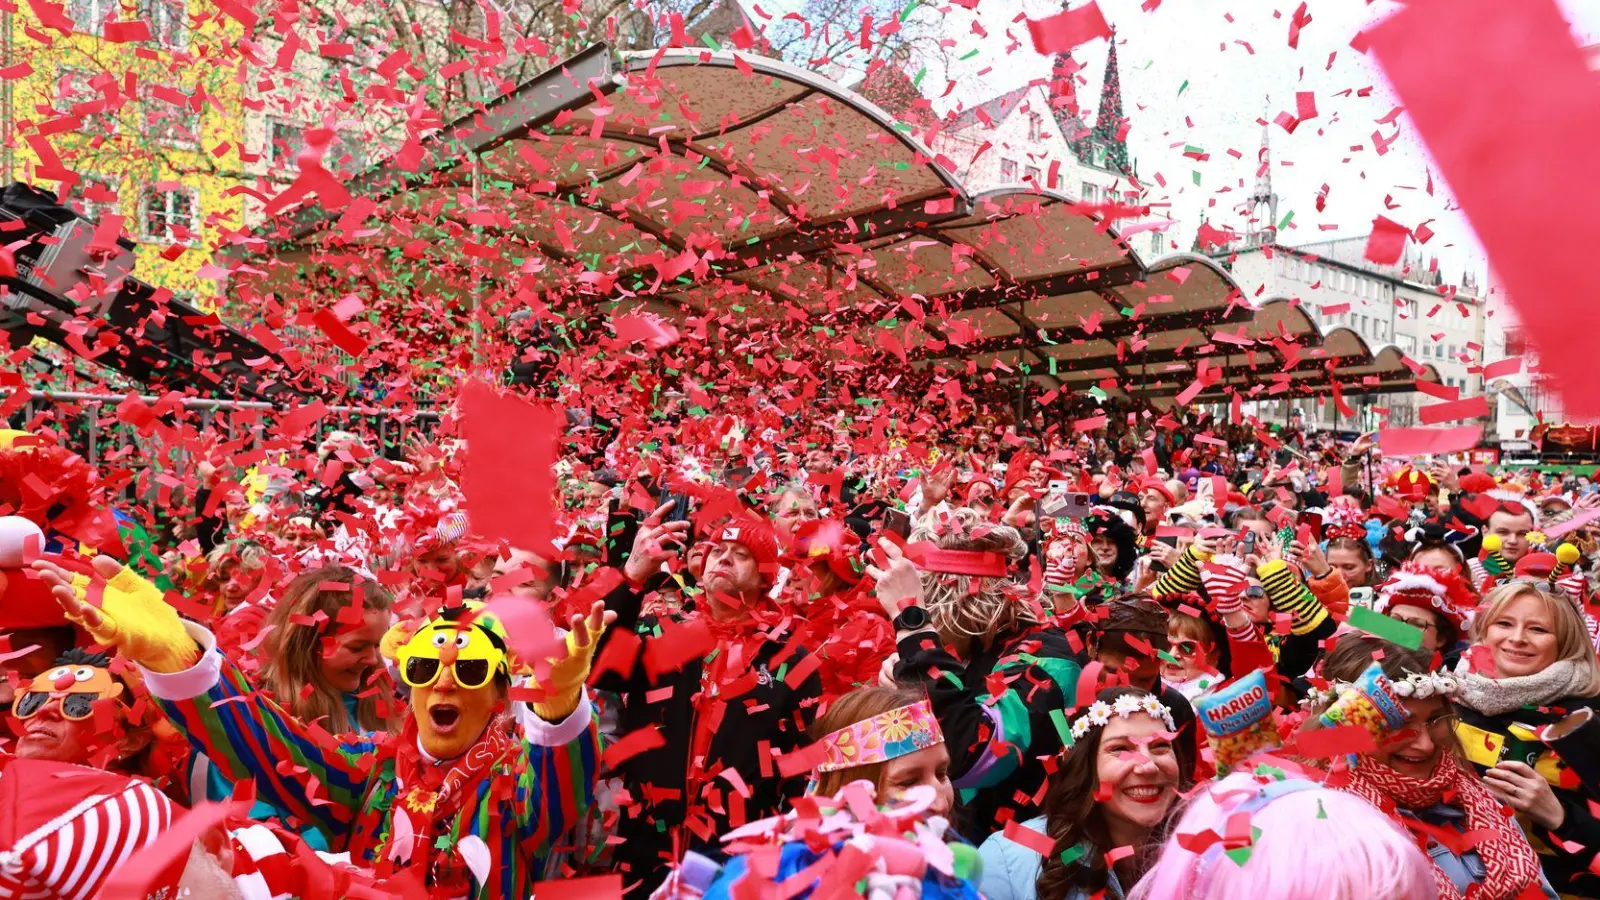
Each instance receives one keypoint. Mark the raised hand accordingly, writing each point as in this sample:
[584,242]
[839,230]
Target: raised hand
[131,614]
[899,584]
[654,542]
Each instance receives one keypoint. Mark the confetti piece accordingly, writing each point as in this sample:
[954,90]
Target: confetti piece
[1524,63]
[507,476]
[1065,30]
[1392,630]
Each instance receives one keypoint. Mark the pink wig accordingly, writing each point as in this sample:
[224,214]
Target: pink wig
[1314,844]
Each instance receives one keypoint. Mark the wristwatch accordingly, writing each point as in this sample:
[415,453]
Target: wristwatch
[911,618]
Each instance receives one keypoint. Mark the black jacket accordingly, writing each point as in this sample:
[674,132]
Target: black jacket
[1568,871]
[1017,682]
[764,713]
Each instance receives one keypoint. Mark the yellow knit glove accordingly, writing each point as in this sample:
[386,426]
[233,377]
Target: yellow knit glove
[564,686]
[131,616]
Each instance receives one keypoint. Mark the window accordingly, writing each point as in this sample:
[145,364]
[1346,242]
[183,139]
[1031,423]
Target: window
[170,215]
[93,198]
[285,140]
[1091,192]
[169,123]
[1155,245]
[1031,175]
[166,21]
[1035,127]
[1008,170]
[89,16]
[76,95]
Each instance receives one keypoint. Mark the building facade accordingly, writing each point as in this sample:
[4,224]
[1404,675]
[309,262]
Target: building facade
[1406,305]
[139,116]
[1032,137]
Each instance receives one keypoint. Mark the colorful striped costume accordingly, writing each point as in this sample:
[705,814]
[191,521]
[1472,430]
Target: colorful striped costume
[347,786]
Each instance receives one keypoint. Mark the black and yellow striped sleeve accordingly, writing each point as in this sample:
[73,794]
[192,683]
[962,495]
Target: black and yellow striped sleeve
[1182,578]
[1288,594]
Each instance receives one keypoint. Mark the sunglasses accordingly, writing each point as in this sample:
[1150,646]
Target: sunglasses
[75,707]
[1255,592]
[423,671]
[1186,647]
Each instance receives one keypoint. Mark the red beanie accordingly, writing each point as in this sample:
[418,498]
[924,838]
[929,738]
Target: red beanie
[755,535]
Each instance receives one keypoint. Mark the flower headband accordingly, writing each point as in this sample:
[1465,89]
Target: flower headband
[1100,712]
[1415,686]
[887,735]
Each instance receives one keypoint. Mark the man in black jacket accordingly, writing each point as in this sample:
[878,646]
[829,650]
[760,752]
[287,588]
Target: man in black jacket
[711,697]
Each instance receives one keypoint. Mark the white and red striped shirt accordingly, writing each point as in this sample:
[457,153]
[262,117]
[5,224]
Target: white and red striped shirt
[68,854]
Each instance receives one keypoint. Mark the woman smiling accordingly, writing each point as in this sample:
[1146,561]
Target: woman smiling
[1531,663]
[1416,776]
[1113,790]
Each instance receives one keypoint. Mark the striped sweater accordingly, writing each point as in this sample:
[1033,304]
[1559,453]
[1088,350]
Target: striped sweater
[346,786]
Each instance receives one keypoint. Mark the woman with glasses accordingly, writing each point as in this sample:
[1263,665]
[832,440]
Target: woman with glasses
[1434,601]
[1416,776]
[1192,668]
[1531,663]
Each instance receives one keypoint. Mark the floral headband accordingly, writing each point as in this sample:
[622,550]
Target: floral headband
[1415,686]
[1100,712]
[887,735]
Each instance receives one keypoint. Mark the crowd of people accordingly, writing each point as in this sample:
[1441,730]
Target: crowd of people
[769,655]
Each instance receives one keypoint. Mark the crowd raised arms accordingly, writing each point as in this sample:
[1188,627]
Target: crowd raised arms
[1169,657]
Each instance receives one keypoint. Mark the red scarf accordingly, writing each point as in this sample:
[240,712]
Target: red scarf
[1513,867]
[430,792]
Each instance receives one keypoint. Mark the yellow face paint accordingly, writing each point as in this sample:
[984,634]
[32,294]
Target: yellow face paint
[451,669]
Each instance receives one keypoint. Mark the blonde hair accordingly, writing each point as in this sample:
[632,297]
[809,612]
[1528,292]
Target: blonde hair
[1572,636]
[973,606]
[294,649]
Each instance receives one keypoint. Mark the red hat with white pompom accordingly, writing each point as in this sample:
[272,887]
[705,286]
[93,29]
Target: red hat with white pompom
[1429,588]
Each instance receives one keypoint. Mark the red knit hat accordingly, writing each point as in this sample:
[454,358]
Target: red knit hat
[1478,483]
[1430,588]
[755,535]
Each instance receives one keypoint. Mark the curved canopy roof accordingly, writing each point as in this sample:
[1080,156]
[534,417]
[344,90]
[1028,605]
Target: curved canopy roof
[693,182]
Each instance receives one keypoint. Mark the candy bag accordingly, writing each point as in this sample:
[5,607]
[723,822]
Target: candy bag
[1370,702]
[1238,720]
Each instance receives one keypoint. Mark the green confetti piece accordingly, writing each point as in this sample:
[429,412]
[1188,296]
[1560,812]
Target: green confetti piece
[1168,657]
[710,41]
[917,81]
[1321,813]
[1052,365]
[1096,393]
[970,54]
[906,13]
[1072,854]
[1058,717]
[1392,630]
[1183,87]
[1196,176]
[1287,218]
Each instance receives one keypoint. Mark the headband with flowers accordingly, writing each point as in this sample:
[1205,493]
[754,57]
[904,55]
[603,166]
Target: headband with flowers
[1100,712]
[1415,686]
[885,736]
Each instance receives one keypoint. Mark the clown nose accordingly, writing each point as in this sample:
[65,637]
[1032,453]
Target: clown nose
[64,681]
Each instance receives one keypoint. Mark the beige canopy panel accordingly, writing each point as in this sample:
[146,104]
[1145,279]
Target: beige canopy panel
[695,182]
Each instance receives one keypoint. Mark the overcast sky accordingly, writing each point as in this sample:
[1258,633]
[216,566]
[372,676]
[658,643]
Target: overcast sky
[1189,80]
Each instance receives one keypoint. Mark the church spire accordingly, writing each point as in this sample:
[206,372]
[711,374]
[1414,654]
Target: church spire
[1108,123]
[1261,226]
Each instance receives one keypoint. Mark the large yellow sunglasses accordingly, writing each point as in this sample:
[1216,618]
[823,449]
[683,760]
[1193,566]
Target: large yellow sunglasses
[477,659]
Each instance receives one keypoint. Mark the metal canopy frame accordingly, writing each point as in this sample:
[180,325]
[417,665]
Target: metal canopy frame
[1013,276]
